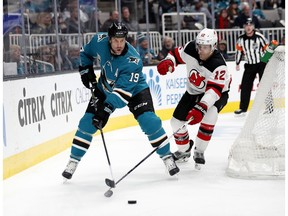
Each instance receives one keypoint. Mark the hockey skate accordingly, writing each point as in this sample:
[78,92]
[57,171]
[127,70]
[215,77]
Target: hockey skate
[199,159]
[239,112]
[170,164]
[70,169]
[180,156]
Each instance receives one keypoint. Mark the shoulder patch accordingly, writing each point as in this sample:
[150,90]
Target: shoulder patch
[132,59]
[101,37]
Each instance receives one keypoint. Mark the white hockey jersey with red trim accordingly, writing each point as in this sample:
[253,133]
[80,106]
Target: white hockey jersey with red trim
[210,77]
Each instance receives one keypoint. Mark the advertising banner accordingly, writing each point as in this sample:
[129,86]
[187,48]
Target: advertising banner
[39,109]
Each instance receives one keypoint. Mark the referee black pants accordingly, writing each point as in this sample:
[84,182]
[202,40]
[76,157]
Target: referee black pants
[250,71]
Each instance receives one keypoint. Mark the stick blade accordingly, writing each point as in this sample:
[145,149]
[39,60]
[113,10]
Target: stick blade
[110,183]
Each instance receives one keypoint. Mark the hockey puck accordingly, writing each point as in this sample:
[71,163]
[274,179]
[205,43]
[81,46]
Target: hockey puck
[132,201]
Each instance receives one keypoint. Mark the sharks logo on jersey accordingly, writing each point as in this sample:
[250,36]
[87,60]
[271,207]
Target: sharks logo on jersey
[101,37]
[133,60]
[108,76]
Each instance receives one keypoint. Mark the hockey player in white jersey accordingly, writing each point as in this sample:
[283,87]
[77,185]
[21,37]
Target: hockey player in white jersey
[206,92]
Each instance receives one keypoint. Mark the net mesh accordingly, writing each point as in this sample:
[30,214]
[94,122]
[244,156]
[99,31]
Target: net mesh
[259,150]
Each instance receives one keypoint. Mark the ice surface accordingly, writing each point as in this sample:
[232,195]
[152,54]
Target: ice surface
[39,191]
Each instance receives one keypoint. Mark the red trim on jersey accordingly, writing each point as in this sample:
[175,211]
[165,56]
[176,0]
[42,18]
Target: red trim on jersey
[177,56]
[217,88]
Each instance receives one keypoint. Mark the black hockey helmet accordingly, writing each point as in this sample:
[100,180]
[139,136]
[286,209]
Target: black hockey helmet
[117,29]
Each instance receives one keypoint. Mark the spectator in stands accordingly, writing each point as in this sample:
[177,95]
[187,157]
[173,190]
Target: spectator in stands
[59,63]
[91,24]
[30,7]
[223,20]
[62,25]
[221,5]
[128,4]
[45,60]
[31,10]
[44,24]
[233,12]
[15,56]
[39,5]
[132,41]
[72,22]
[167,45]
[151,12]
[198,7]
[257,11]
[64,56]
[114,17]
[147,56]
[131,24]
[270,4]
[167,6]
[73,55]
[257,3]
[67,5]
[190,22]
[244,15]
[222,47]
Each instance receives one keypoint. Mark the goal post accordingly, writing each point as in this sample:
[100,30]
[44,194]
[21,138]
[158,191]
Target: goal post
[259,150]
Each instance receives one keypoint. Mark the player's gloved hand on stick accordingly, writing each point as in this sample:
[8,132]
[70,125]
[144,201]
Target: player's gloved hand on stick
[87,75]
[164,66]
[102,115]
[197,113]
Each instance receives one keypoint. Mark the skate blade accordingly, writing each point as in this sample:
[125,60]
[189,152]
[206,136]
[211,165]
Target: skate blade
[240,115]
[182,160]
[174,177]
[65,180]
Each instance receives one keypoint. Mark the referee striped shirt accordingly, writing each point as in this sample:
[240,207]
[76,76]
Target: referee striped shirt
[252,47]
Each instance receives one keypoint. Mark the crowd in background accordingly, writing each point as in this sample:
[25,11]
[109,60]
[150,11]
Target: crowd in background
[73,19]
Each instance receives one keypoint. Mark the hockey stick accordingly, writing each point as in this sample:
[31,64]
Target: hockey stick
[109,182]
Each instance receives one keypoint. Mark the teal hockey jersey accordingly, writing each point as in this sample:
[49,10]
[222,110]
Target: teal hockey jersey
[121,76]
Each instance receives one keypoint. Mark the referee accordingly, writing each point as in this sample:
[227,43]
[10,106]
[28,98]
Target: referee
[251,44]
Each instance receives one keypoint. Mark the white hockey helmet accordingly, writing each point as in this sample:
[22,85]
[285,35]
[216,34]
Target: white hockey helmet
[207,37]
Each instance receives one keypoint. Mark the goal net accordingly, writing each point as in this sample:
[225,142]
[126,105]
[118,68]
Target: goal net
[259,150]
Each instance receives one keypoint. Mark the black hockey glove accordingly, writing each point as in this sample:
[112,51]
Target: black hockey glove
[87,75]
[102,115]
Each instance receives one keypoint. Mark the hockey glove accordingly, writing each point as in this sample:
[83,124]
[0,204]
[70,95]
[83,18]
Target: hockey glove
[87,75]
[197,113]
[164,66]
[102,115]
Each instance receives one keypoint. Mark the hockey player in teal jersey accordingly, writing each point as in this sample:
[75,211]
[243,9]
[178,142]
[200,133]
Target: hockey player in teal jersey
[121,83]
